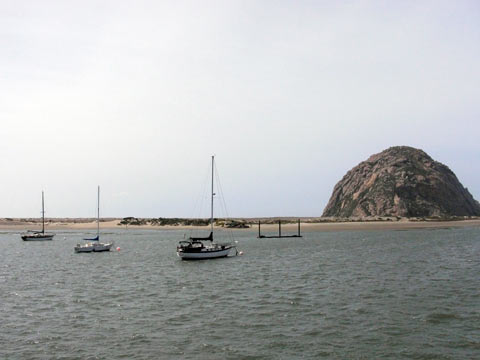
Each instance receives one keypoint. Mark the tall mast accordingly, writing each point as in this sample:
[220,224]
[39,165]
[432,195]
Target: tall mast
[43,215]
[211,206]
[98,210]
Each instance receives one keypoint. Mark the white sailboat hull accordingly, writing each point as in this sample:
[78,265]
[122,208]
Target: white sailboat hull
[93,247]
[204,254]
[83,249]
[102,247]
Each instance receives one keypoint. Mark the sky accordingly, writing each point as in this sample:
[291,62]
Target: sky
[136,96]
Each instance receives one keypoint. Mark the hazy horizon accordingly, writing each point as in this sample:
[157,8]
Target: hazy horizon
[289,96]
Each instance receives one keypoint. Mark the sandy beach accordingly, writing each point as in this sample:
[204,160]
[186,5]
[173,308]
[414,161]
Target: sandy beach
[90,224]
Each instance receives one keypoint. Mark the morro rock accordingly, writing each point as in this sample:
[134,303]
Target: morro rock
[401,181]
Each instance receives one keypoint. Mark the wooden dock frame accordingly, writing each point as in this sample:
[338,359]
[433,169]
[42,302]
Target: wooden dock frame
[260,236]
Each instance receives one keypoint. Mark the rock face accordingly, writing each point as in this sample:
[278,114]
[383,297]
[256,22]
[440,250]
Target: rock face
[401,181]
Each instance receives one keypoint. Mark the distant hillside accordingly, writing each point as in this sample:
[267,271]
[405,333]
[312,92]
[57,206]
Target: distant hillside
[401,181]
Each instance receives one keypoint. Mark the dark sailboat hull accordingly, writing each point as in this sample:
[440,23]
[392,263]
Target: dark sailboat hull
[37,237]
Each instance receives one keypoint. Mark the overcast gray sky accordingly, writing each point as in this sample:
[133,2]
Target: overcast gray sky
[137,95]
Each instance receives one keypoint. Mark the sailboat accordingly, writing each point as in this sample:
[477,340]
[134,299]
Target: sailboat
[38,235]
[199,248]
[94,244]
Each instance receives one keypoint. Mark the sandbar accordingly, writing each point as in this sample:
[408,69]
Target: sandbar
[290,228]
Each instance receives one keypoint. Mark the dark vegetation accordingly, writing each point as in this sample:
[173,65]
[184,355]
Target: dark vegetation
[227,223]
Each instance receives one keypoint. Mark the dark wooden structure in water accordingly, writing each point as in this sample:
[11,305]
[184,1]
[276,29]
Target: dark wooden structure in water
[260,236]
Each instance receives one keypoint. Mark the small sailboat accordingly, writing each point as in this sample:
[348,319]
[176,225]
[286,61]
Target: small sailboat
[94,244]
[199,248]
[38,235]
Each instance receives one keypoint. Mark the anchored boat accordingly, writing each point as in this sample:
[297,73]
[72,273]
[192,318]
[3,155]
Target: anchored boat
[201,248]
[38,235]
[94,244]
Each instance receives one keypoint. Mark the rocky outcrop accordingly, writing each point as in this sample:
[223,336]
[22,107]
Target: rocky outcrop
[401,181]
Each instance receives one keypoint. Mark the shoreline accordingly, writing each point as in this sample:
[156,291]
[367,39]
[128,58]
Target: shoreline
[290,228]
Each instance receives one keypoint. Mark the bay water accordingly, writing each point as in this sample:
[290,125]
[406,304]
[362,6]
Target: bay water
[335,295]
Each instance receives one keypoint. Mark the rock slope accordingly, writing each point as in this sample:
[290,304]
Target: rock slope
[401,181]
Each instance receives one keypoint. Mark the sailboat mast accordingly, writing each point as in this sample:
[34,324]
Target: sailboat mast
[211,206]
[98,211]
[43,215]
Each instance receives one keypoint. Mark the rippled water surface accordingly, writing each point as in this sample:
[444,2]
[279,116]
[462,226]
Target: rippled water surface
[346,295]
